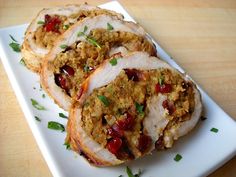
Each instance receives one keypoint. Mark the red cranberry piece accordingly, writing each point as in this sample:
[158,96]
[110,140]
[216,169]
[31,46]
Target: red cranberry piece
[52,23]
[132,74]
[115,131]
[126,123]
[164,88]
[169,106]
[68,70]
[114,145]
[61,81]
[144,143]
[159,144]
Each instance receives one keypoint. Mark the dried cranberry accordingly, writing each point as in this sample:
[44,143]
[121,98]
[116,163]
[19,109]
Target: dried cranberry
[164,88]
[52,23]
[169,106]
[126,123]
[115,131]
[132,74]
[144,143]
[68,70]
[61,81]
[159,144]
[114,145]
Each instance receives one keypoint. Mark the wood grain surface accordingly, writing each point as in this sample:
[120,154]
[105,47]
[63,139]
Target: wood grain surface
[199,34]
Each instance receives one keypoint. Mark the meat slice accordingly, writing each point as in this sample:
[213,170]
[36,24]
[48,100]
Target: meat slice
[49,18]
[158,126]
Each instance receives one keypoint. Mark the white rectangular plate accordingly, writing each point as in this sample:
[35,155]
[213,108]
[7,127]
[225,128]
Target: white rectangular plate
[202,150]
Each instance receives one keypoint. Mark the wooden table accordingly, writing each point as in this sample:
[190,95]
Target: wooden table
[200,35]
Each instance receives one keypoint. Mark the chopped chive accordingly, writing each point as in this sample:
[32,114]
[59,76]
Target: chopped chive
[12,38]
[67,144]
[120,176]
[22,61]
[178,157]
[37,118]
[104,100]
[113,62]
[93,42]
[85,28]
[80,34]
[56,126]
[40,22]
[203,118]
[43,95]
[215,130]
[15,46]
[37,105]
[129,172]
[109,26]
[65,27]
[63,46]
[62,115]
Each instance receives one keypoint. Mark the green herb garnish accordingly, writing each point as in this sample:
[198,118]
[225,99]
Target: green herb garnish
[93,41]
[109,26]
[56,126]
[120,176]
[130,173]
[37,118]
[15,46]
[62,115]
[40,22]
[139,108]
[37,105]
[80,34]
[65,27]
[215,130]
[63,46]
[67,144]
[178,157]
[12,38]
[85,28]
[104,100]
[113,62]
[22,61]
[86,68]
[43,95]
[161,80]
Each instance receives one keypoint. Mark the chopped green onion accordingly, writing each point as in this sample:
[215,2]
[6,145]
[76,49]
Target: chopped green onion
[104,100]
[65,27]
[113,62]
[63,46]
[15,46]
[37,105]
[37,118]
[43,95]
[85,28]
[109,26]
[62,115]
[215,130]
[12,38]
[178,157]
[56,126]
[93,41]
[86,68]
[130,173]
[67,144]
[22,61]
[40,22]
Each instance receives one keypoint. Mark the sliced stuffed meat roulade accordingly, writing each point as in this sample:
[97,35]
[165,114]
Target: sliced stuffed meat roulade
[49,24]
[80,50]
[128,109]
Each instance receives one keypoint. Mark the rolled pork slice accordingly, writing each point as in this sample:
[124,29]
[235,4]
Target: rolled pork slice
[80,50]
[48,25]
[127,110]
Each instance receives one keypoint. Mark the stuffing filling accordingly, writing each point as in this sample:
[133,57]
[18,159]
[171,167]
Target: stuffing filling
[113,114]
[54,25]
[76,62]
